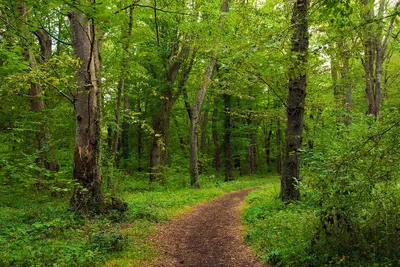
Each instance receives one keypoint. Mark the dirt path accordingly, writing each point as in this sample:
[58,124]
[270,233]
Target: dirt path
[210,235]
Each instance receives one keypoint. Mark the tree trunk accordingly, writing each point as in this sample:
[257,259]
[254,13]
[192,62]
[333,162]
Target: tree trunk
[127,99]
[158,153]
[109,138]
[215,135]
[279,147]
[337,88]
[88,196]
[125,126]
[227,139]
[203,127]
[348,88]
[295,108]
[117,120]
[268,148]
[140,139]
[369,58]
[44,159]
[194,121]
[123,86]
[375,45]
[251,150]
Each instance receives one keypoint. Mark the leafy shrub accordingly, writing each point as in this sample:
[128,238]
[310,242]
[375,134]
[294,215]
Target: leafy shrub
[279,233]
[107,241]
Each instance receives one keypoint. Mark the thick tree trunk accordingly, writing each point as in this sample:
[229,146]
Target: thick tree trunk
[227,139]
[88,196]
[295,108]
[215,136]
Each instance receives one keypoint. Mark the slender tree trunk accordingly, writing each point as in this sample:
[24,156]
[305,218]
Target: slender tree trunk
[159,149]
[251,150]
[195,113]
[140,138]
[117,121]
[44,159]
[375,45]
[215,135]
[88,196]
[279,147]
[125,125]
[194,121]
[268,148]
[203,126]
[348,88]
[122,90]
[369,57]
[252,154]
[109,138]
[227,139]
[296,98]
[337,88]
[158,153]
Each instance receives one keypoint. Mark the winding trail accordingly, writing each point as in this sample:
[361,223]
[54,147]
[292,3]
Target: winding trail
[210,235]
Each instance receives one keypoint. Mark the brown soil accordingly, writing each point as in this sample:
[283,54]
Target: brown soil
[210,235]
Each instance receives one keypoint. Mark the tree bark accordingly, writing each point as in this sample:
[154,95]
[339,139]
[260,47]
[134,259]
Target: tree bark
[227,139]
[279,147]
[158,152]
[117,120]
[375,47]
[215,135]
[295,108]
[127,98]
[194,122]
[203,127]
[45,156]
[268,148]
[251,150]
[88,196]
[125,124]
[123,86]
[140,138]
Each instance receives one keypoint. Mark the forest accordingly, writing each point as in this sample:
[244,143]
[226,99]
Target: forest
[118,117]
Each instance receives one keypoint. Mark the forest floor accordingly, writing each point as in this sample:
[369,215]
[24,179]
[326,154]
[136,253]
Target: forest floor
[209,235]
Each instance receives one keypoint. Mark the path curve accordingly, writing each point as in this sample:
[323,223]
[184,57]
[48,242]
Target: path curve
[210,235]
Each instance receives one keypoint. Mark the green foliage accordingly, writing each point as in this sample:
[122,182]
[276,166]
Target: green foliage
[107,242]
[357,194]
[38,229]
[280,234]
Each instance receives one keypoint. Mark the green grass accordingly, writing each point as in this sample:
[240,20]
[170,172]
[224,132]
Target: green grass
[37,229]
[279,234]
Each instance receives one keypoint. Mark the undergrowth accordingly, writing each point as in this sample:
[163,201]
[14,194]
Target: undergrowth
[38,229]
